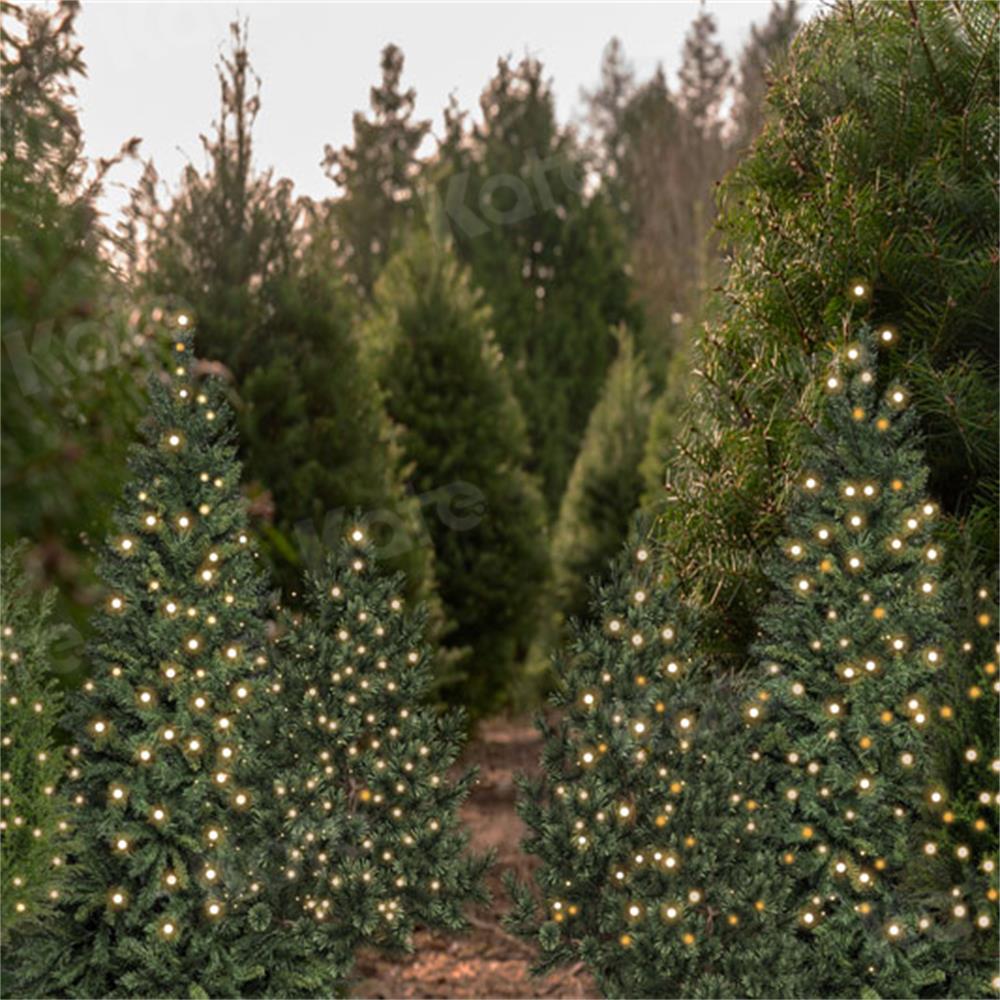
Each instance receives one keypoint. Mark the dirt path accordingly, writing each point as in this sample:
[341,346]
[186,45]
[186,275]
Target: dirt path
[485,962]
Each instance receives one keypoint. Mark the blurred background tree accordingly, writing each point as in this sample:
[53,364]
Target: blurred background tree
[74,345]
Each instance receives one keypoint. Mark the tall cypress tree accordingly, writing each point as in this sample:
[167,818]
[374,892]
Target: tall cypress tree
[33,831]
[463,431]
[162,896]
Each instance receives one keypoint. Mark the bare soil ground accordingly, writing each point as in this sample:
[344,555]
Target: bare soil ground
[486,961]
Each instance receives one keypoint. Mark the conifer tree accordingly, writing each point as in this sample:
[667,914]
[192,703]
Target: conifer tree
[604,487]
[958,874]
[652,872]
[33,830]
[547,254]
[72,361]
[852,646]
[253,266]
[363,819]
[462,430]
[871,187]
[161,899]
[377,176]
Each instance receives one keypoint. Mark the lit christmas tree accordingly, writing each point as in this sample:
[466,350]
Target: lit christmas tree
[33,827]
[960,850]
[854,641]
[652,874]
[159,899]
[367,844]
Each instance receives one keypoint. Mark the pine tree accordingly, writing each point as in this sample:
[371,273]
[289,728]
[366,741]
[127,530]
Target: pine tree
[34,830]
[652,873]
[253,266]
[367,844]
[548,256]
[160,900]
[463,432]
[852,643]
[871,187]
[604,488]
[377,176]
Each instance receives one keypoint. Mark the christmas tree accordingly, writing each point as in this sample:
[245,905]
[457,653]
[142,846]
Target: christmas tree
[33,830]
[158,901]
[853,643]
[366,840]
[958,873]
[652,874]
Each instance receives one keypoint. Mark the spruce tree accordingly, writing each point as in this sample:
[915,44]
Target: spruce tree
[872,187]
[852,647]
[34,829]
[652,871]
[462,430]
[161,900]
[363,816]
[547,254]
[377,177]
[604,487]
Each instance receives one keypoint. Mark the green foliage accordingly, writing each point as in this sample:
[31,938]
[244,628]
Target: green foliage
[547,255]
[462,430]
[33,837]
[961,848]
[71,351]
[604,487]
[876,169]
[651,871]
[158,896]
[851,646]
[254,267]
[366,844]
[377,177]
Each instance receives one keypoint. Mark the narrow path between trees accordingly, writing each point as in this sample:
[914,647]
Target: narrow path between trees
[485,962]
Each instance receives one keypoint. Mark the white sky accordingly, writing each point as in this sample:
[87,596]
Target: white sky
[151,65]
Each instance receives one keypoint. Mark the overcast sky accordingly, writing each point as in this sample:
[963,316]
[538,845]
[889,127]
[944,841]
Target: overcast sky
[151,65]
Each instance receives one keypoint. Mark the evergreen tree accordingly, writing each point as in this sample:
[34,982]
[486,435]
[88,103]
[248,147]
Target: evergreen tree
[852,643]
[603,490]
[33,831]
[761,54]
[548,256]
[704,75]
[872,187]
[253,266]
[958,874]
[365,834]
[652,871]
[73,356]
[160,899]
[376,176]
[463,432]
